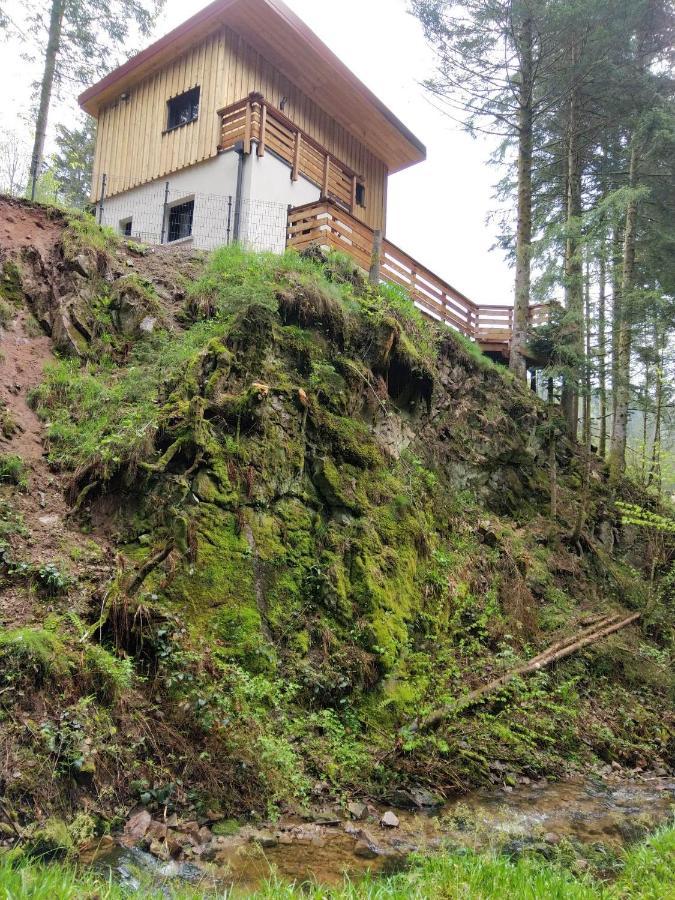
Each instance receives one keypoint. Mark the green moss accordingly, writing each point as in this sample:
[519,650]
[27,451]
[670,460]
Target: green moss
[34,650]
[226,828]
[240,630]
[11,289]
[110,676]
[50,841]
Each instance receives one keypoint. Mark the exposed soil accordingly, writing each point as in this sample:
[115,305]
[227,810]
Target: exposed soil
[42,533]
[22,226]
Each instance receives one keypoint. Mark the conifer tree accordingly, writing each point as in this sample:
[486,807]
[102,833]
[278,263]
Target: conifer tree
[78,42]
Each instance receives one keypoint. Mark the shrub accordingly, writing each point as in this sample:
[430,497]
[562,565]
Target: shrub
[6,313]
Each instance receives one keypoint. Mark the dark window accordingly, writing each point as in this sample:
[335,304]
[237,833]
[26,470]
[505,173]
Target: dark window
[183,109]
[125,228]
[360,195]
[180,220]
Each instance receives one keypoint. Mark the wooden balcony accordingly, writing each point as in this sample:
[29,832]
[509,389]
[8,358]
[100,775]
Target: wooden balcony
[323,223]
[253,119]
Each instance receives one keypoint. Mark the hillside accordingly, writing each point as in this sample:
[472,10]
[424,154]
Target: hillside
[257,519]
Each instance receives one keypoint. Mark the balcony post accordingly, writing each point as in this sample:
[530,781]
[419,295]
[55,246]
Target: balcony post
[263,129]
[295,174]
[247,127]
[326,171]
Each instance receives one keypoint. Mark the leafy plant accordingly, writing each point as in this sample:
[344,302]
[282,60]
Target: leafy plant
[51,580]
[110,676]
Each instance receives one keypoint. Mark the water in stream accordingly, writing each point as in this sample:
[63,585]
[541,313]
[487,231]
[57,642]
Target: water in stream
[325,847]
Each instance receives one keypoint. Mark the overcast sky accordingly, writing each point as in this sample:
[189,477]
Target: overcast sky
[438,209]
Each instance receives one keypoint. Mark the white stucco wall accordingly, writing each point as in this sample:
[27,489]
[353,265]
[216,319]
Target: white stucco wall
[267,192]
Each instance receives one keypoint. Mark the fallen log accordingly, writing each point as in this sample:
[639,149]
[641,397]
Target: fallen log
[552,654]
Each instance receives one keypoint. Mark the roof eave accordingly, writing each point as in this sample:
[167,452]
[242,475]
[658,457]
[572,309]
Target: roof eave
[202,23]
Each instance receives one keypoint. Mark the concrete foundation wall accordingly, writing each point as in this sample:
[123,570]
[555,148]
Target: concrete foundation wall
[267,191]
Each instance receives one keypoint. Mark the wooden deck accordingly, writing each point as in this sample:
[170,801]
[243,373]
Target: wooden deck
[325,223]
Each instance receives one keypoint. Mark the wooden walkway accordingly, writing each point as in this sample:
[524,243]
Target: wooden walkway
[325,223]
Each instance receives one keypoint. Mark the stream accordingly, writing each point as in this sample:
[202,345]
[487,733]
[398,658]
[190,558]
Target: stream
[327,844]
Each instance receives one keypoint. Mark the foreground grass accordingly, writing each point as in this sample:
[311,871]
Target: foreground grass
[648,873]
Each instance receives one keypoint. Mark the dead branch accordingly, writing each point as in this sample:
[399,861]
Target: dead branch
[552,654]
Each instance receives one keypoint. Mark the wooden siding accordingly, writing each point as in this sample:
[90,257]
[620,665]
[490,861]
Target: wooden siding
[133,147]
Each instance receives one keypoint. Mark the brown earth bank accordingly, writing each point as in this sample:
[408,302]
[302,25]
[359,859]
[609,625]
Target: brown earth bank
[263,522]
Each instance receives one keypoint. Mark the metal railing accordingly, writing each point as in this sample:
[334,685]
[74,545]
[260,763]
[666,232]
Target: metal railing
[324,223]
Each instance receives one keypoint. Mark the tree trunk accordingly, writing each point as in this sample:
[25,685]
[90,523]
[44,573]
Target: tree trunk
[521,310]
[574,286]
[617,312]
[587,427]
[645,422]
[46,87]
[554,653]
[654,477]
[617,452]
[602,351]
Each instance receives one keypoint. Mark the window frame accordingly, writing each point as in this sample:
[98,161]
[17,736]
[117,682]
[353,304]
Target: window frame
[361,194]
[184,202]
[172,100]
[124,224]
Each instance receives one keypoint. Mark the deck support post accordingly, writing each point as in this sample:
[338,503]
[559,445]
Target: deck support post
[376,258]
[241,153]
[104,185]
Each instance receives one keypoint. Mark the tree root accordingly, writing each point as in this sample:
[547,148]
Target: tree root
[561,649]
[151,563]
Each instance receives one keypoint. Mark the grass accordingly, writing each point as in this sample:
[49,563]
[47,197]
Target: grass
[99,412]
[648,874]
[7,313]
[12,470]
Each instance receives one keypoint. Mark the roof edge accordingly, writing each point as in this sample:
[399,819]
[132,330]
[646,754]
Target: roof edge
[202,20]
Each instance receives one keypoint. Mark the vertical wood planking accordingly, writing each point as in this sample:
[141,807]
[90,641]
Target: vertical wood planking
[132,148]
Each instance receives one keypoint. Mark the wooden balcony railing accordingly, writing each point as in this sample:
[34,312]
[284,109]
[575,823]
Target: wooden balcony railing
[253,119]
[325,224]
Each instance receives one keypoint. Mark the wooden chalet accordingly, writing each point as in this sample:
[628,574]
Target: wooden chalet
[242,125]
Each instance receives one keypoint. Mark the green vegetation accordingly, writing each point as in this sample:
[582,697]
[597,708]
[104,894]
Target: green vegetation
[648,873]
[7,313]
[36,649]
[12,470]
[329,518]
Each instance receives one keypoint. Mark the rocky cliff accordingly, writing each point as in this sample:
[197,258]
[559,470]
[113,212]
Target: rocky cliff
[257,518]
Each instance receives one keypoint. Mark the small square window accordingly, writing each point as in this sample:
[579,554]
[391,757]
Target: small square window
[360,195]
[125,227]
[183,109]
[180,220]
